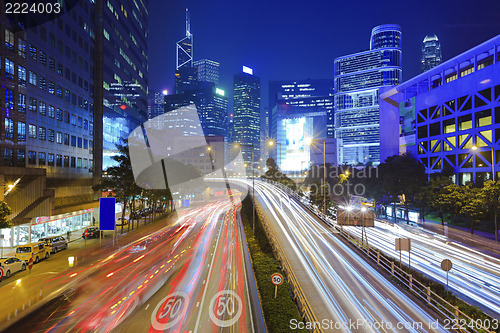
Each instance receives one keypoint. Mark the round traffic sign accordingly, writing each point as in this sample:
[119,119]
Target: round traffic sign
[169,310]
[1,272]
[225,308]
[30,264]
[446,265]
[277,279]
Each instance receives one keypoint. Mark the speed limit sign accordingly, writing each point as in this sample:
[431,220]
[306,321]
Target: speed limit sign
[1,273]
[276,279]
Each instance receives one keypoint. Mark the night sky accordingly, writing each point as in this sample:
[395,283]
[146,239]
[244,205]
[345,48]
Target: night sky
[300,39]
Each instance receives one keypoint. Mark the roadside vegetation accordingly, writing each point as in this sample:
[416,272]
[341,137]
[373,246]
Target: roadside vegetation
[278,312]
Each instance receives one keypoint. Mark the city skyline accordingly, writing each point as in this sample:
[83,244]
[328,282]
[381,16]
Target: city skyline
[278,56]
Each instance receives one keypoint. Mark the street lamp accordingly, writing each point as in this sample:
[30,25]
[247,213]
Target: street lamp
[272,143]
[236,145]
[310,141]
[474,148]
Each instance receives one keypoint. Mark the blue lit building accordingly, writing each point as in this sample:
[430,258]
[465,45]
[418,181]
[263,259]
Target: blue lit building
[454,107]
[357,80]
[207,70]
[301,93]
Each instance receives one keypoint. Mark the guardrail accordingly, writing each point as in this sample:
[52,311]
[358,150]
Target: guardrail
[300,298]
[432,299]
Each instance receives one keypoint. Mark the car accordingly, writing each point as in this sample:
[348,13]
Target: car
[90,233]
[121,221]
[12,265]
[55,243]
[36,250]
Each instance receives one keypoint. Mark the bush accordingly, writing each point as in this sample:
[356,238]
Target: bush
[278,312]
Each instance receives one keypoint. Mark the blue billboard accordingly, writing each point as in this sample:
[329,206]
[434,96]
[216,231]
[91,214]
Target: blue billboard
[107,214]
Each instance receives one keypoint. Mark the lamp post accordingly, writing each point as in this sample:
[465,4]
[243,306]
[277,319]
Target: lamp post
[475,148]
[272,143]
[253,181]
[310,141]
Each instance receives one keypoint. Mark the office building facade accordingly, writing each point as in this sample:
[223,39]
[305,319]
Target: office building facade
[357,80]
[124,71]
[456,107]
[431,53]
[246,111]
[47,141]
[301,93]
[207,70]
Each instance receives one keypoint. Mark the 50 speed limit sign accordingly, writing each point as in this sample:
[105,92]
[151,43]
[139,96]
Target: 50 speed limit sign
[169,311]
[277,279]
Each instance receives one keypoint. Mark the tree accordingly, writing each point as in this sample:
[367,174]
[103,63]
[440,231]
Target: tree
[273,173]
[120,179]
[428,193]
[489,195]
[472,206]
[5,211]
[401,178]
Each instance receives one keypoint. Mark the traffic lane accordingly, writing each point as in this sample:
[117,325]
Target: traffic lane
[126,288]
[308,281]
[381,298]
[474,276]
[182,287]
[367,296]
[84,309]
[28,291]
[224,306]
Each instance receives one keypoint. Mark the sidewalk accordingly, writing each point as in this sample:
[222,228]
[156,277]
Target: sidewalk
[77,234]
[480,240]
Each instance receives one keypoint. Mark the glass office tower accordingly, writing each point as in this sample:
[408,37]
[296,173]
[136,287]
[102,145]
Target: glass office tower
[357,79]
[246,105]
[431,53]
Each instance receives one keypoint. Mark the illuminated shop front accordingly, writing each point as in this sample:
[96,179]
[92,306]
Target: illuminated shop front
[46,226]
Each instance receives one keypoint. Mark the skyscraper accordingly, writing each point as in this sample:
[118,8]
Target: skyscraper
[431,53]
[357,79]
[121,38]
[186,76]
[208,70]
[301,93]
[246,110]
[185,47]
[156,103]
[48,133]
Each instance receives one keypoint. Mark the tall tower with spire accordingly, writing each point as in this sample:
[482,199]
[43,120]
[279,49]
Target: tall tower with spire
[185,47]
[186,76]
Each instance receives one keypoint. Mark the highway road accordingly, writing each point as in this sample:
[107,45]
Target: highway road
[190,275]
[475,276]
[339,285]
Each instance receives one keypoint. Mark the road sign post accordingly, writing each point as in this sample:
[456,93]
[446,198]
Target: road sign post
[276,279]
[446,265]
[403,244]
[30,264]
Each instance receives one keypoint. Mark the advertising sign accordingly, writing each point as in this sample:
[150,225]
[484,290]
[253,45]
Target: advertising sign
[107,214]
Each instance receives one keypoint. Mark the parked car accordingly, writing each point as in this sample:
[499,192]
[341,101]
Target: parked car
[37,251]
[121,221]
[55,243]
[90,233]
[11,265]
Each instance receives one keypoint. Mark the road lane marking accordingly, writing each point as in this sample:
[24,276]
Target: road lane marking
[147,306]
[206,285]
